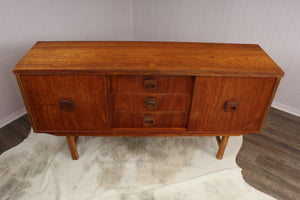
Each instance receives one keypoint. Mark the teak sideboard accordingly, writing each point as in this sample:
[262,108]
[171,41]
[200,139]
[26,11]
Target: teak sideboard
[77,89]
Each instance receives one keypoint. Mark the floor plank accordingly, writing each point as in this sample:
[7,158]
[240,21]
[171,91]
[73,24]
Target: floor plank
[14,133]
[270,161]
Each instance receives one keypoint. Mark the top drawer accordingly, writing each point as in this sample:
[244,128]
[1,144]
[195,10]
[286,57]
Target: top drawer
[151,84]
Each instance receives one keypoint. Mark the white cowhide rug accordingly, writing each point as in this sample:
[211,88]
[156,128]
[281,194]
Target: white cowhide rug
[123,168]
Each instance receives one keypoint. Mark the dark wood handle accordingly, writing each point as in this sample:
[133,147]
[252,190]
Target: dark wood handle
[66,105]
[231,106]
[148,120]
[150,103]
[150,84]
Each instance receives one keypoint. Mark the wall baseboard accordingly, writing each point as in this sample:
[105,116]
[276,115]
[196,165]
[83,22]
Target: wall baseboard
[285,108]
[12,117]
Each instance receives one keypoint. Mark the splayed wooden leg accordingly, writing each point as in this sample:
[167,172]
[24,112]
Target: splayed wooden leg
[72,141]
[222,146]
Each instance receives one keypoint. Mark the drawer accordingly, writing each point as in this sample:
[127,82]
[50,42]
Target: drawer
[151,84]
[153,102]
[50,89]
[149,119]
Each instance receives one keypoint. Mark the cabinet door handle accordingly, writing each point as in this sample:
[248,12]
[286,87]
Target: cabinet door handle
[150,84]
[231,106]
[148,120]
[66,105]
[150,103]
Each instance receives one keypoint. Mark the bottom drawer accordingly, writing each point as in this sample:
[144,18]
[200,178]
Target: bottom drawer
[176,119]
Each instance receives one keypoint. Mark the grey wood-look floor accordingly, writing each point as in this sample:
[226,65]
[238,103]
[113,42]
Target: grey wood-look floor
[270,161]
[14,133]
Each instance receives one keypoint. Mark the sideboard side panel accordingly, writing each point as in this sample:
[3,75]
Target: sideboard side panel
[18,77]
[269,104]
[211,94]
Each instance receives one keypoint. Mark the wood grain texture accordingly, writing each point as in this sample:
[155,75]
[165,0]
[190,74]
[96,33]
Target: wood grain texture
[165,84]
[162,119]
[222,147]
[106,88]
[87,92]
[218,138]
[269,104]
[211,94]
[147,132]
[135,102]
[25,100]
[148,58]
[73,147]
[14,133]
[269,161]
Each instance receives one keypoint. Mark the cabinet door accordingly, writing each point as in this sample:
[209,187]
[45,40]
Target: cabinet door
[246,99]
[61,103]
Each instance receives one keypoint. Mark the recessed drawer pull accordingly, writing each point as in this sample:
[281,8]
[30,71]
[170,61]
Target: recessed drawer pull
[66,105]
[231,106]
[150,103]
[148,120]
[150,84]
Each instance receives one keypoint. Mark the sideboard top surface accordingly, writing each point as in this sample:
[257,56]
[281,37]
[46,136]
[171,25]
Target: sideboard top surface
[149,58]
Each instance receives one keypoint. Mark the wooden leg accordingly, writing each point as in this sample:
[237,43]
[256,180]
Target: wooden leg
[72,141]
[76,139]
[222,146]
[218,140]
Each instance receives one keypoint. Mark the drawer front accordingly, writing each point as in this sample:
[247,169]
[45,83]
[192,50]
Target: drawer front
[151,84]
[66,102]
[153,102]
[149,119]
[229,104]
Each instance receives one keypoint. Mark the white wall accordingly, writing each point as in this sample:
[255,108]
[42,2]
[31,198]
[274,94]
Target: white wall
[274,24]
[22,23]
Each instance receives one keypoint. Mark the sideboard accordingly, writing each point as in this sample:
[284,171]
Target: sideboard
[151,89]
